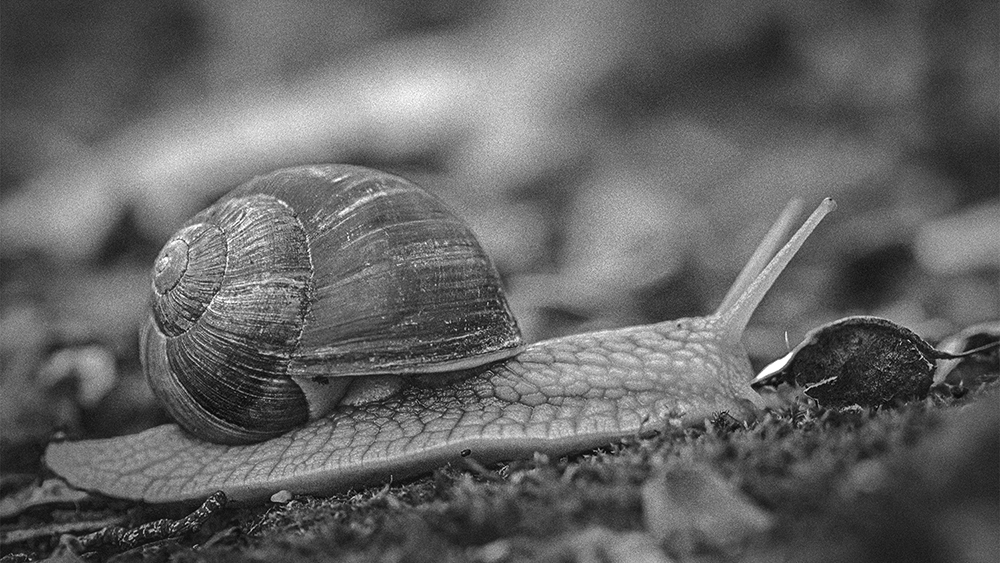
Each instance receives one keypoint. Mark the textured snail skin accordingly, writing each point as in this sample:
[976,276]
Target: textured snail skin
[558,396]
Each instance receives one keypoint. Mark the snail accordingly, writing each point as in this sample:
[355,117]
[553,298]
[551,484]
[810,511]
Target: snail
[350,329]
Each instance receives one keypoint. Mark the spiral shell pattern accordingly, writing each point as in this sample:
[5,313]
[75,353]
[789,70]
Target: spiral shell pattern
[314,273]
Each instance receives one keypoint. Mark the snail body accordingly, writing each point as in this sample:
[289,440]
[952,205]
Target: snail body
[505,400]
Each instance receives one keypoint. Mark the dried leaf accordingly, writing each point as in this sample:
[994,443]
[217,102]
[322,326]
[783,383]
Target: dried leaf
[862,361]
[975,369]
[690,506]
[597,543]
[50,491]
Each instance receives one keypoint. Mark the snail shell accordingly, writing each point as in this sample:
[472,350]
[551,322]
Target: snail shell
[312,286]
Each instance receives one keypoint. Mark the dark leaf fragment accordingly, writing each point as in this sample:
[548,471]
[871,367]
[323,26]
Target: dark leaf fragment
[862,361]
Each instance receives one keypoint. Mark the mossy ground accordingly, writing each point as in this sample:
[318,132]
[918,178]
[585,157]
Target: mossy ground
[914,483]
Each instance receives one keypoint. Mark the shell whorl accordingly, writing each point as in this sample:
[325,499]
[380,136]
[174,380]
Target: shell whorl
[314,273]
[226,317]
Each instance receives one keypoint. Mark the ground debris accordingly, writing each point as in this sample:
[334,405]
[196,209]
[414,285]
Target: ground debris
[862,362]
[689,507]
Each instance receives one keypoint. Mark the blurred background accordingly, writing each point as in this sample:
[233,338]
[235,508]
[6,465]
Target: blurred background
[620,159]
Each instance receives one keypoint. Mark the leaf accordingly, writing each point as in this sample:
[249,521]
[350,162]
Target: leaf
[689,506]
[859,361]
[50,491]
[974,369]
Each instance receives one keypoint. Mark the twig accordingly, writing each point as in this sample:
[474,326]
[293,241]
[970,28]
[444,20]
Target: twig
[123,539]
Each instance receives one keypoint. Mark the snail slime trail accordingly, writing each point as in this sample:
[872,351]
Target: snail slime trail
[326,327]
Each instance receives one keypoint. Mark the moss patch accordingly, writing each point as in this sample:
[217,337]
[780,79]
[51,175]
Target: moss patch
[918,482]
